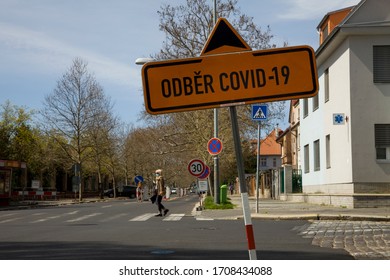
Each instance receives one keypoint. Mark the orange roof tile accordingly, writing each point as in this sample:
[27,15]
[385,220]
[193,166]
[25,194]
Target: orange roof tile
[269,146]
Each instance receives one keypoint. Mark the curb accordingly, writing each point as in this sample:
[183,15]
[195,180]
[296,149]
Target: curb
[318,217]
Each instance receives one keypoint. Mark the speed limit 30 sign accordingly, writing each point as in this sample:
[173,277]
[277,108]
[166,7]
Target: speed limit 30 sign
[196,167]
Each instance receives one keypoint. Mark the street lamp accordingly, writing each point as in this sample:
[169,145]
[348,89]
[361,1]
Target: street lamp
[143,60]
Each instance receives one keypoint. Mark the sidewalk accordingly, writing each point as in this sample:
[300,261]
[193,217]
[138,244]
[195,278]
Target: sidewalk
[283,210]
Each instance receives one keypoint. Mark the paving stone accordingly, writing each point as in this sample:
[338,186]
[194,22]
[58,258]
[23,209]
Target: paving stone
[364,240]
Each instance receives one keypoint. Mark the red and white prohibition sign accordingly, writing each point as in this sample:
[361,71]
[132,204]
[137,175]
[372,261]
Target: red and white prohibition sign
[214,146]
[196,167]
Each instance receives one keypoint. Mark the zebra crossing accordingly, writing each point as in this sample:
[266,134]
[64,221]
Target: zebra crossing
[142,218]
[77,216]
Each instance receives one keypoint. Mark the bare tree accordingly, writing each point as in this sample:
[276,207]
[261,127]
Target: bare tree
[104,125]
[187,28]
[72,110]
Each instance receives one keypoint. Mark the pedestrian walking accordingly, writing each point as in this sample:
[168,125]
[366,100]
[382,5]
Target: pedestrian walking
[160,193]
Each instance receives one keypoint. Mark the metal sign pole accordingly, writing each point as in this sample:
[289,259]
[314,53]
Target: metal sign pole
[259,113]
[216,158]
[257,167]
[243,189]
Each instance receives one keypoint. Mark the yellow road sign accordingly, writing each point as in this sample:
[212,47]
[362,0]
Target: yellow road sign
[229,79]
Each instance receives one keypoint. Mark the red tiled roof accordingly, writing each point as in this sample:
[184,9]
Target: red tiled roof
[268,145]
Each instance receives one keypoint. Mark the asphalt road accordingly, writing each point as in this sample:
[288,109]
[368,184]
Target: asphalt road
[125,229]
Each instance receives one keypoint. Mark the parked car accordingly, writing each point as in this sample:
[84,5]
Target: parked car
[173,191]
[124,191]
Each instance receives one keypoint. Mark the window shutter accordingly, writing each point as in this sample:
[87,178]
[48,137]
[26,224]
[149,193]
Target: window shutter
[381,64]
[382,135]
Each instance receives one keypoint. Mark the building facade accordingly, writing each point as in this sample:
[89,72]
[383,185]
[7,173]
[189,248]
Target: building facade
[345,129]
[269,163]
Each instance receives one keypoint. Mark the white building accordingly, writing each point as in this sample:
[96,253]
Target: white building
[345,129]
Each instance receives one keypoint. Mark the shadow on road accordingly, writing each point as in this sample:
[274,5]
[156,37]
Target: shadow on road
[113,251]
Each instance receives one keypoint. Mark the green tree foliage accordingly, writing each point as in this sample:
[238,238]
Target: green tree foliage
[17,135]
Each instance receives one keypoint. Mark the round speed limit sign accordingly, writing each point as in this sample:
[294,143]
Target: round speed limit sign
[196,167]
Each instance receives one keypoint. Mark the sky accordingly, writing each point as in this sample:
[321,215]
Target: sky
[39,39]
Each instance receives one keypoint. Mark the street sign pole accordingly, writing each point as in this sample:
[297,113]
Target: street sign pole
[216,163]
[259,113]
[216,157]
[257,166]
[213,80]
[243,188]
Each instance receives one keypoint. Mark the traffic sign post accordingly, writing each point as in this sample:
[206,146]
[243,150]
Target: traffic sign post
[259,112]
[214,146]
[196,167]
[240,76]
[235,78]
[138,179]
[205,173]
[203,186]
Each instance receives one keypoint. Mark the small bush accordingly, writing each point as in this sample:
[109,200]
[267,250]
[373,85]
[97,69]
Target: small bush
[209,204]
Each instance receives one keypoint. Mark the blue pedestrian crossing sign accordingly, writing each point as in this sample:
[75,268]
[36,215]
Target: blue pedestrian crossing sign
[259,112]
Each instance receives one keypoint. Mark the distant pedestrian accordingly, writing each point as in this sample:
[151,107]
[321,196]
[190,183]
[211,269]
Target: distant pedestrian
[231,189]
[160,192]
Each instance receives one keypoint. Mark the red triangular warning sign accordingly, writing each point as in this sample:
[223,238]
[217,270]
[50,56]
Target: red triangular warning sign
[224,39]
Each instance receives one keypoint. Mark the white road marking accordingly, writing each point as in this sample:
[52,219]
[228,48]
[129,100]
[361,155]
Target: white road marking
[147,216]
[204,219]
[174,217]
[9,220]
[113,217]
[45,219]
[39,214]
[54,217]
[83,217]
[7,215]
[143,217]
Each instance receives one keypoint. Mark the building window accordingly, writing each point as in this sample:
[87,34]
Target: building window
[274,162]
[316,152]
[326,84]
[263,162]
[381,62]
[325,32]
[315,102]
[305,107]
[306,158]
[327,139]
[382,142]
[299,142]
